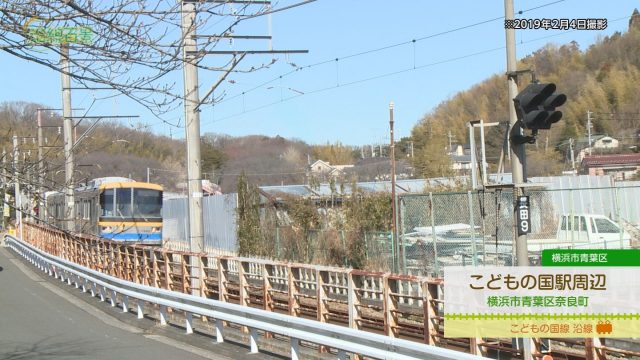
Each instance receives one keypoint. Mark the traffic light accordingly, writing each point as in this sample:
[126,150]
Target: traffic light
[536,106]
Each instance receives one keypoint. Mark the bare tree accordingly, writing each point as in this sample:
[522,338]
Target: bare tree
[125,45]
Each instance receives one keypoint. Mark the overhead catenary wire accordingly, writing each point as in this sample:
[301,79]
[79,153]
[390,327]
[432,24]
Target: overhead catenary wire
[371,78]
[379,49]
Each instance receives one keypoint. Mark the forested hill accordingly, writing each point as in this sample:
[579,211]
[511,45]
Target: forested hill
[603,78]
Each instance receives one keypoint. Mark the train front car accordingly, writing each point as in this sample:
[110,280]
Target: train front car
[131,212]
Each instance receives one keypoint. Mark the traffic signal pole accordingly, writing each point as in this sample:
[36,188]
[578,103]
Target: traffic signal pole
[518,159]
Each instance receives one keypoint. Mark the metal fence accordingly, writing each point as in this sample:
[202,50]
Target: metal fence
[369,250]
[475,228]
[219,217]
[435,229]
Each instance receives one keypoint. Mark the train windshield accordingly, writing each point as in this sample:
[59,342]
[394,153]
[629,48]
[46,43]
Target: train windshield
[147,203]
[123,203]
[131,203]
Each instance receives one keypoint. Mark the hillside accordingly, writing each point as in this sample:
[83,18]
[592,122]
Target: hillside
[114,149]
[602,79]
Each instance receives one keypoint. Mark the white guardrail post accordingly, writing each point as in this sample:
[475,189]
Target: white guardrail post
[343,339]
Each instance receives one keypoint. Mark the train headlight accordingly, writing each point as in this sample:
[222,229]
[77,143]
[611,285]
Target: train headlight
[155,229]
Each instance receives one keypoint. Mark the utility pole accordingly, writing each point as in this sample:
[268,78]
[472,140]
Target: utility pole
[573,162]
[68,138]
[41,177]
[192,103]
[589,131]
[16,182]
[28,184]
[394,210]
[5,186]
[518,160]
[192,133]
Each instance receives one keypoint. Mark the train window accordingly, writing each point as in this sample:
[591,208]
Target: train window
[147,203]
[107,202]
[123,202]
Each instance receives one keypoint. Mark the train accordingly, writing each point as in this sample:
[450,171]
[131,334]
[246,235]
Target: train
[115,208]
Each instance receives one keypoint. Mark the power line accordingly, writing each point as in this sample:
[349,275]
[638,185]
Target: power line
[375,77]
[387,47]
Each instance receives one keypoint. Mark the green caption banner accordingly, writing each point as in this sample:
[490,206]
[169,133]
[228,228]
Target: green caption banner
[594,257]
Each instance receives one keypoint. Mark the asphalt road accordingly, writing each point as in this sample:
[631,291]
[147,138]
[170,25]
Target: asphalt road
[39,321]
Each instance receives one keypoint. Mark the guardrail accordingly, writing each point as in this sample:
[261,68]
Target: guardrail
[398,306]
[345,340]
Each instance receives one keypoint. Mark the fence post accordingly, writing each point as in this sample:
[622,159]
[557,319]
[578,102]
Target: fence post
[293,290]
[167,270]
[474,249]
[344,248]
[433,235]
[185,266]
[267,272]
[353,299]
[243,271]
[366,247]
[619,217]
[430,311]
[401,236]
[322,277]
[203,263]
[390,306]
[571,219]
[222,279]
[277,242]
[137,269]
[154,269]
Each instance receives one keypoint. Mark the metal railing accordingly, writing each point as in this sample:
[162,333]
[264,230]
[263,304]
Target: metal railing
[397,305]
[297,329]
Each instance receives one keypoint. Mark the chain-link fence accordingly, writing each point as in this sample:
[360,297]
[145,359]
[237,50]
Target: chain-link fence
[370,250]
[476,228]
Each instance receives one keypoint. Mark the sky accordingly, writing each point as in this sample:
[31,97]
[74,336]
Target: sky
[318,99]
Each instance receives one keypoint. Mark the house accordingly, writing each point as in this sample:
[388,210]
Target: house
[321,167]
[460,158]
[620,166]
[600,144]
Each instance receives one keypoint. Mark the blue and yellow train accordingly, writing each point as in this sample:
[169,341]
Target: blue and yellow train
[114,208]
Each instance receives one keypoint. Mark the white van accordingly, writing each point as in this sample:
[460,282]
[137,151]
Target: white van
[587,231]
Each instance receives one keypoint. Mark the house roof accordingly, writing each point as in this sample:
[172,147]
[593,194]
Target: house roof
[461,158]
[583,142]
[320,162]
[615,159]
[403,186]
